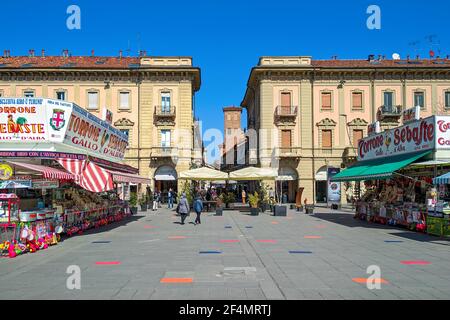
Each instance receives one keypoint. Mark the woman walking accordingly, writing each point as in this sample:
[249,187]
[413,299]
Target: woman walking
[198,207]
[183,207]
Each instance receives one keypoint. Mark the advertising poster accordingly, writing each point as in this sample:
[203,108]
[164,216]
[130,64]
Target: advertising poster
[334,188]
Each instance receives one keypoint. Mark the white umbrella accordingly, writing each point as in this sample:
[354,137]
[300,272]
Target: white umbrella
[203,173]
[253,173]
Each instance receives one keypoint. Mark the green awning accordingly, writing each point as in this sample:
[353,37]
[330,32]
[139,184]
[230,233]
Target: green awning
[377,169]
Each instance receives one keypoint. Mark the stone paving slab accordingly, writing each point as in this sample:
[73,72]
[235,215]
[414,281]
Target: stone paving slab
[150,246]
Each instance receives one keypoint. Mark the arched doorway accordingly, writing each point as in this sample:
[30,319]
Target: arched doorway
[165,178]
[287,181]
[321,185]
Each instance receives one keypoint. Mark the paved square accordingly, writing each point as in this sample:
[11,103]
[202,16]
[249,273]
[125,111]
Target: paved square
[152,256]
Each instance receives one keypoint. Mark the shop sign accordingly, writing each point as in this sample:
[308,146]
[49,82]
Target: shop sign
[107,115]
[6,171]
[442,132]
[411,115]
[126,191]
[334,188]
[373,128]
[86,131]
[413,137]
[45,184]
[12,184]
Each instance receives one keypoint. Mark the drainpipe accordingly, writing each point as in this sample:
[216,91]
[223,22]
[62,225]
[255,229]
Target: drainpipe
[313,140]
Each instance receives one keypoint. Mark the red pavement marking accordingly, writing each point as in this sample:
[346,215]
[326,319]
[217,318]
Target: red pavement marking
[177,237]
[107,262]
[419,262]
[229,241]
[149,227]
[176,280]
[313,237]
[275,222]
[374,280]
[267,241]
[321,226]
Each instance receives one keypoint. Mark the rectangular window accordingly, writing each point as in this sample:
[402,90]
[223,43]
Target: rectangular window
[388,100]
[124,100]
[326,139]
[61,95]
[326,100]
[357,135]
[419,99]
[92,100]
[165,138]
[286,140]
[447,99]
[28,94]
[165,101]
[357,100]
[285,102]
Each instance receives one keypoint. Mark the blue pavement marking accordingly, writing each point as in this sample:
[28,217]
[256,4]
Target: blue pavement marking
[101,241]
[210,252]
[393,241]
[294,251]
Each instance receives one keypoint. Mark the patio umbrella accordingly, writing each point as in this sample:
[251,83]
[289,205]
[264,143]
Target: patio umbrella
[253,173]
[203,173]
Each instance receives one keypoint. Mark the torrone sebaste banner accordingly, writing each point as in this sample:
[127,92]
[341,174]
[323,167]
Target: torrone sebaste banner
[431,133]
[35,120]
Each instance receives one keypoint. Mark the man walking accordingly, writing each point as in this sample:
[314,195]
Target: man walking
[183,207]
[198,207]
[170,198]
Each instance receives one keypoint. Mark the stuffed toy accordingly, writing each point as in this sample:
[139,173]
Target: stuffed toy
[11,252]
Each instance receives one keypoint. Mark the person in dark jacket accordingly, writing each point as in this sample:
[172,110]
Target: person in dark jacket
[198,207]
[183,207]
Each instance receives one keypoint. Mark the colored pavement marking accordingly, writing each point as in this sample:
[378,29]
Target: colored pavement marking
[248,227]
[321,226]
[210,252]
[418,262]
[228,241]
[149,227]
[267,241]
[374,280]
[176,280]
[275,222]
[313,237]
[177,237]
[301,252]
[228,227]
[101,241]
[107,262]
[393,241]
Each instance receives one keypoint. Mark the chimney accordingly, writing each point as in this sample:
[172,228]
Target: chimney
[407,57]
[92,52]
[418,57]
[379,57]
[31,53]
[371,57]
[43,53]
[6,54]
[120,54]
[65,52]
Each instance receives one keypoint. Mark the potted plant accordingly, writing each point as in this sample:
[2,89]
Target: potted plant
[264,199]
[143,202]
[228,198]
[133,203]
[253,199]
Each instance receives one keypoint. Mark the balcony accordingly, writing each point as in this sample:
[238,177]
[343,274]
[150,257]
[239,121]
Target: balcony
[288,152]
[164,116]
[389,113]
[285,115]
[164,152]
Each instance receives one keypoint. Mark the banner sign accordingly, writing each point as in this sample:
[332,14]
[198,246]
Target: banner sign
[411,115]
[32,120]
[108,115]
[373,128]
[413,137]
[442,132]
[6,171]
[334,188]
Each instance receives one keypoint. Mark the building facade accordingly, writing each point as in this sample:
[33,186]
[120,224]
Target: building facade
[151,99]
[234,143]
[308,114]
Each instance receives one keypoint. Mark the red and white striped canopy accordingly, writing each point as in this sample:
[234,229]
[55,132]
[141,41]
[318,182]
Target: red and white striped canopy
[128,177]
[47,172]
[89,175]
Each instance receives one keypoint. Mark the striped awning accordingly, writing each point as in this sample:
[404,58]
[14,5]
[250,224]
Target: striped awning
[444,179]
[89,175]
[122,177]
[47,172]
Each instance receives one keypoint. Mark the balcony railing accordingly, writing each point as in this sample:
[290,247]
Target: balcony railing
[391,112]
[288,152]
[285,113]
[162,152]
[162,111]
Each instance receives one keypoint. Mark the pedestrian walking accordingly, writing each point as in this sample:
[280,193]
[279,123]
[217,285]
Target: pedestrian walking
[170,198]
[183,207]
[198,207]
[155,200]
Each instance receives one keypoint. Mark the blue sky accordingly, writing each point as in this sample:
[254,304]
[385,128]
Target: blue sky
[226,38]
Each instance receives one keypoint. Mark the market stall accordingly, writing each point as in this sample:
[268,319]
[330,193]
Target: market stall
[66,183]
[397,167]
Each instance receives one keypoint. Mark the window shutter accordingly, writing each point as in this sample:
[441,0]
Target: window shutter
[286,139]
[357,100]
[357,135]
[124,100]
[93,100]
[326,139]
[326,100]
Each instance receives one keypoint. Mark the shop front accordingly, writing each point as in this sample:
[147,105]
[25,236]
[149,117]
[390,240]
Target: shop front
[62,167]
[397,168]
